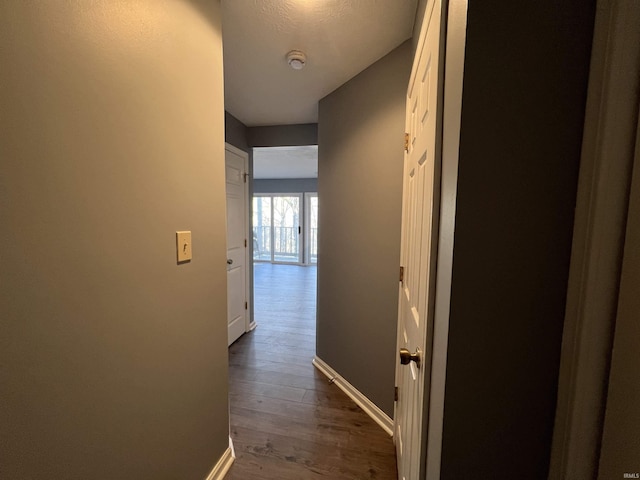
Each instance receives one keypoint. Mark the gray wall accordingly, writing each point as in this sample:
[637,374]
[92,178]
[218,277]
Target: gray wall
[525,79]
[285,185]
[235,132]
[360,161]
[621,443]
[283,135]
[113,358]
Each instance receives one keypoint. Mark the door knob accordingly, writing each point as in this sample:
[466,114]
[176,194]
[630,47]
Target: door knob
[406,356]
[229,261]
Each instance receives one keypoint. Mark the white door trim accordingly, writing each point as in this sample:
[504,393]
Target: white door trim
[248,261]
[222,466]
[456,28]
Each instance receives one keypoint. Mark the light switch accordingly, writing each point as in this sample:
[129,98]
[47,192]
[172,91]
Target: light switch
[183,245]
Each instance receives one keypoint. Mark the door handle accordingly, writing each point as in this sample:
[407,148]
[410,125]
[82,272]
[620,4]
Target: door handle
[407,357]
[229,261]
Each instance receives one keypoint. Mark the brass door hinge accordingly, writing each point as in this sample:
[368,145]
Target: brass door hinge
[401,274]
[406,142]
[395,394]
[245,175]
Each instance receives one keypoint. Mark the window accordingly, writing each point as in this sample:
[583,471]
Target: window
[277,228]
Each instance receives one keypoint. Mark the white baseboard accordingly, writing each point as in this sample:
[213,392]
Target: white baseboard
[363,402]
[224,464]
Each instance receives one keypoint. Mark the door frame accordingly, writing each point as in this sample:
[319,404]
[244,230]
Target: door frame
[307,228]
[453,42]
[249,324]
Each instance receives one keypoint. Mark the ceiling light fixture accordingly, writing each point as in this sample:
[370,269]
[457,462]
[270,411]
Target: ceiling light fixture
[296,59]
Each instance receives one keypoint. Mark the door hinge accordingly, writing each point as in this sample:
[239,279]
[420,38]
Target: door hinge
[406,142]
[245,243]
[246,305]
[244,176]
[395,394]
[401,274]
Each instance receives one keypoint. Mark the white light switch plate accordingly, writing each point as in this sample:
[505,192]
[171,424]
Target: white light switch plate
[183,245]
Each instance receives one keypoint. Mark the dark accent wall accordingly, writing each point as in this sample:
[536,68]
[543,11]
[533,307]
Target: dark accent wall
[525,82]
[620,452]
[113,358]
[360,162]
[235,132]
[285,185]
[283,135]
[620,448]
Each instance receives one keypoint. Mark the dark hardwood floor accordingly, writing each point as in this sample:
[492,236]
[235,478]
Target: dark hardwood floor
[287,421]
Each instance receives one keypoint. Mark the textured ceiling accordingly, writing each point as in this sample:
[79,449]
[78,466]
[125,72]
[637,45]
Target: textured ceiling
[340,38]
[285,162]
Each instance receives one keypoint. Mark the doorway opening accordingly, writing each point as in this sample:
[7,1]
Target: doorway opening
[284,207]
[284,229]
[275,392]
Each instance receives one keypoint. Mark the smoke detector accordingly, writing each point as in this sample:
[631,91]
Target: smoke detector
[296,59]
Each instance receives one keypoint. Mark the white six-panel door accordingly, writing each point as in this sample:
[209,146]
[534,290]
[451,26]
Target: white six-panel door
[237,261]
[417,234]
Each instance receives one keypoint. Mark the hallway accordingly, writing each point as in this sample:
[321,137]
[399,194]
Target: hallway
[287,421]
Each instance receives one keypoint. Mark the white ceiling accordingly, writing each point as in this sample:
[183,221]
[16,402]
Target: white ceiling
[340,38]
[285,162]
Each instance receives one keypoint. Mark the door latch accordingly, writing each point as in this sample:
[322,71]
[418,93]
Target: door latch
[407,357]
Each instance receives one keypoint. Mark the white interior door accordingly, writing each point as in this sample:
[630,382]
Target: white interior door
[237,262]
[417,234]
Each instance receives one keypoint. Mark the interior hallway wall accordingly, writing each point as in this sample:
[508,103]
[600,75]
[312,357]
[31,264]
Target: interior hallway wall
[113,358]
[235,132]
[283,135]
[620,452]
[360,163]
[286,185]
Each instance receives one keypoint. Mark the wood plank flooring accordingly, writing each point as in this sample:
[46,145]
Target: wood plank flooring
[287,421]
